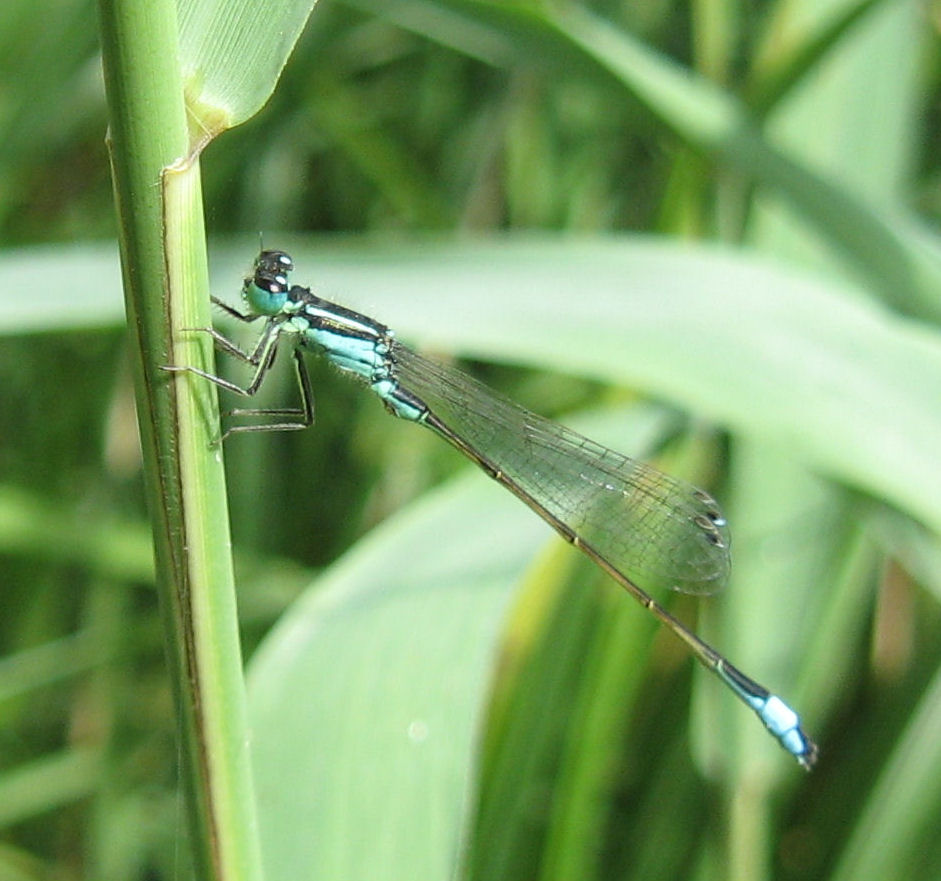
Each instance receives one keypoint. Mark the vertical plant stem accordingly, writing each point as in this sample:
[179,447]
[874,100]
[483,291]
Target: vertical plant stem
[156,184]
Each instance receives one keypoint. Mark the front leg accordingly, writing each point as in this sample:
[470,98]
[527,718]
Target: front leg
[261,358]
[224,344]
[231,310]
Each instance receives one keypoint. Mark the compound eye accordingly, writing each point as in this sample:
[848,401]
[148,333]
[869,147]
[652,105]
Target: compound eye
[272,284]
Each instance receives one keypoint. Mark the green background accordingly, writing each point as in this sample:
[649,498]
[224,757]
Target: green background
[703,233]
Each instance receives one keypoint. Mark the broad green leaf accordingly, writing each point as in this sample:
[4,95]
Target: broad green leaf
[80,287]
[367,697]
[808,362]
[233,52]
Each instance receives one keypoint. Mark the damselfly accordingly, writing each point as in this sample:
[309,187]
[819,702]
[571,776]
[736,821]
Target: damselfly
[636,523]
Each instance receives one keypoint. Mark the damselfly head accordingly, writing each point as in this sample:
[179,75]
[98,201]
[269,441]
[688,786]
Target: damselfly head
[273,263]
[266,290]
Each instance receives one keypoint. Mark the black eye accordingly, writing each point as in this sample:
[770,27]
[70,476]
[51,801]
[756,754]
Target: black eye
[270,282]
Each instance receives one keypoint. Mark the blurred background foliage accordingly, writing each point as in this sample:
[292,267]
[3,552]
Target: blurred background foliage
[463,118]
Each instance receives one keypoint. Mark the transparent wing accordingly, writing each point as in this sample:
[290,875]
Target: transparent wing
[656,530]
